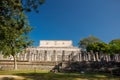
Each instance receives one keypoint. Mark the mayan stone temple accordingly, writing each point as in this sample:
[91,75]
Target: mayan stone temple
[59,55]
[52,50]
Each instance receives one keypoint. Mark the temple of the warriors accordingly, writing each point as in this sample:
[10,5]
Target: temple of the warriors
[59,51]
[51,50]
[60,55]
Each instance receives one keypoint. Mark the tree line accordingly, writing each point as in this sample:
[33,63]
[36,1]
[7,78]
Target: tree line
[97,45]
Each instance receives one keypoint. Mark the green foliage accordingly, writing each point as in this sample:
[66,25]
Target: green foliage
[14,28]
[115,46]
[29,5]
[98,47]
[86,41]
[111,48]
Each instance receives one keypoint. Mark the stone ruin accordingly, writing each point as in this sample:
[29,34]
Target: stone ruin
[62,56]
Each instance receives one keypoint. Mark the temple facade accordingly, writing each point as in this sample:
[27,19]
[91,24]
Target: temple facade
[60,50]
[52,50]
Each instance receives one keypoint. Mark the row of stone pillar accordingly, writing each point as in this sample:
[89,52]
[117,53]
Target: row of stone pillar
[47,56]
[71,56]
[98,57]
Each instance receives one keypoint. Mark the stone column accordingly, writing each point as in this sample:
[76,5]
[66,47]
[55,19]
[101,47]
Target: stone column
[119,58]
[93,55]
[116,57]
[97,58]
[69,56]
[1,56]
[89,58]
[48,57]
[63,55]
[24,56]
[77,56]
[29,56]
[40,57]
[34,57]
[55,55]
[86,57]
[30,59]
[37,55]
[45,55]
[108,57]
[80,57]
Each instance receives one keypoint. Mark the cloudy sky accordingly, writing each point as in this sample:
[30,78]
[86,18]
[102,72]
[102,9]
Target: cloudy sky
[75,20]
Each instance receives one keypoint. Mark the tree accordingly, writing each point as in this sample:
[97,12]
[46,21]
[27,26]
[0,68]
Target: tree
[115,46]
[29,5]
[98,47]
[86,41]
[14,27]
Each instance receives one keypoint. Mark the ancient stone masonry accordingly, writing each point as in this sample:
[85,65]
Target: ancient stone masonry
[52,50]
[59,51]
[60,55]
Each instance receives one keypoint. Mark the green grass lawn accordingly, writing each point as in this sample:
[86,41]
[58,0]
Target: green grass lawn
[46,75]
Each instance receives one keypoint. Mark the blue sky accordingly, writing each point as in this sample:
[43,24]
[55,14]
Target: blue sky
[75,20]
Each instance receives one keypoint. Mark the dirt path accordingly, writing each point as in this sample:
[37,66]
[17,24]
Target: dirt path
[10,77]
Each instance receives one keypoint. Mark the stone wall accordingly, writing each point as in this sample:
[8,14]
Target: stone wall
[24,65]
[90,66]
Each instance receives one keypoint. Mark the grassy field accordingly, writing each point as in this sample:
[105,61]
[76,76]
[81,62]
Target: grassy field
[45,75]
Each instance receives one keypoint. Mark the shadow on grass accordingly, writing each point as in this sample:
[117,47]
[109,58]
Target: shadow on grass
[65,76]
[7,78]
